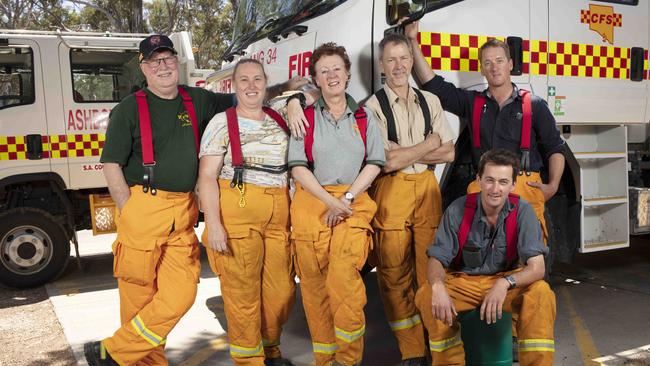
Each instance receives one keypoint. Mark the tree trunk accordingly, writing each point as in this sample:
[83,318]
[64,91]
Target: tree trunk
[137,23]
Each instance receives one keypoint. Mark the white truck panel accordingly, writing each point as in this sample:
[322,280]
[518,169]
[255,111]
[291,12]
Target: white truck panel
[599,100]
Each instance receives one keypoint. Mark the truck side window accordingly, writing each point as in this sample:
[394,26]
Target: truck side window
[104,75]
[16,76]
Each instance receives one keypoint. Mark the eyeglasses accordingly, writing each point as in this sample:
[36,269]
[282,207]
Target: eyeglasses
[154,63]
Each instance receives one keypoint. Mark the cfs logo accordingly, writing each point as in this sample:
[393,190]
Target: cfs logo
[602,20]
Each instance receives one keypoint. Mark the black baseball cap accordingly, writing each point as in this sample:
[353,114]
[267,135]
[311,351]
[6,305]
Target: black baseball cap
[154,43]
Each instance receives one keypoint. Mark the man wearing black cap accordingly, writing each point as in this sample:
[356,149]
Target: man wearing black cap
[152,181]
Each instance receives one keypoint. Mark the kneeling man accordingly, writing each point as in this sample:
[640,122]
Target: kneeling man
[489,253]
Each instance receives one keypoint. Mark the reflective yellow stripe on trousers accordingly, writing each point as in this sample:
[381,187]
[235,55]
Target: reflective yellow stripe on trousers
[326,348]
[445,344]
[349,337]
[405,323]
[536,345]
[151,337]
[239,351]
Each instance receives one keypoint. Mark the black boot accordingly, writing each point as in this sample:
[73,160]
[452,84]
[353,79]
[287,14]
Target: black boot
[97,355]
[416,361]
[277,362]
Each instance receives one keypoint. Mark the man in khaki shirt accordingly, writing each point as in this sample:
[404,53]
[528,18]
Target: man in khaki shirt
[407,195]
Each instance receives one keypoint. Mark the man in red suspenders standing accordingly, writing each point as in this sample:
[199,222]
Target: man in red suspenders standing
[150,163]
[489,253]
[416,136]
[497,118]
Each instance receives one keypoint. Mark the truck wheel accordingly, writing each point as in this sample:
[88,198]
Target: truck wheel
[34,248]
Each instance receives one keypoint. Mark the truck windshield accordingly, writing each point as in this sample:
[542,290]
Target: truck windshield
[256,19]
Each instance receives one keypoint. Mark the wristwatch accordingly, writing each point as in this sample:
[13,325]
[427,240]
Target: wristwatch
[511,282]
[301,98]
[349,196]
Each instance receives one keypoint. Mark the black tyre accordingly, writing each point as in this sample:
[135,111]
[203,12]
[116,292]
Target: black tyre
[34,248]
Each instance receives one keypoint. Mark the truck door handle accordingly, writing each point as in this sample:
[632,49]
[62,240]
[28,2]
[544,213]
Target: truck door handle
[34,147]
[516,54]
[636,64]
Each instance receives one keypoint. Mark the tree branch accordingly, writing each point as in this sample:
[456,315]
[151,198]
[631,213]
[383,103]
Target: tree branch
[114,23]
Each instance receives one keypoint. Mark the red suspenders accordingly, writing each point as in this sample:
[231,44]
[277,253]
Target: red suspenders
[362,122]
[146,138]
[526,125]
[235,142]
[466,225]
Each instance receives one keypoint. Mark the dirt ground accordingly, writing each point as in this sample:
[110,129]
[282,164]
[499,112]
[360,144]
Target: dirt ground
[30,333]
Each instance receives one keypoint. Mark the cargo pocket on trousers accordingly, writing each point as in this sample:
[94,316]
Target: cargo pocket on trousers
[311,254]
[358,248]
[381,227]
[238,260]
[135,265]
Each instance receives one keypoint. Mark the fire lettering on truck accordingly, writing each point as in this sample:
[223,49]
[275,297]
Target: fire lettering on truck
[225,86]
[602,20]
[299,64]
[87,119]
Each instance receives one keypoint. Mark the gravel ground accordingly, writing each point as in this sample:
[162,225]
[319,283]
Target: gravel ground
[30,333]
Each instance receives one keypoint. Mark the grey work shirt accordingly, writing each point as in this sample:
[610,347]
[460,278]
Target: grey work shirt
[338,149]
[492,243]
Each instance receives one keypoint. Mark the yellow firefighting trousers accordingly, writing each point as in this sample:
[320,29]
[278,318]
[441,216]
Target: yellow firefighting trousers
[157,269]
[257,277]
[328,261]
[532,195]
[409,208]
[534,304]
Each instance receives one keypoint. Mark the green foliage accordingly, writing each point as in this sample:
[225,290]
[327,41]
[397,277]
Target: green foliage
[112,15]
[209,21]
[211,28]
[36,15]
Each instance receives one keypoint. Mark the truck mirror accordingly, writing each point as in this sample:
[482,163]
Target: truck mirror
[398,9]
[516,54]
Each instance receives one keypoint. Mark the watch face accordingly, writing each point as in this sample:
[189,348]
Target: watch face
[349,196]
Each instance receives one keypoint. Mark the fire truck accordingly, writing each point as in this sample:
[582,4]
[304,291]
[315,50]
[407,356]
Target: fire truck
[587,59]
[56,92]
